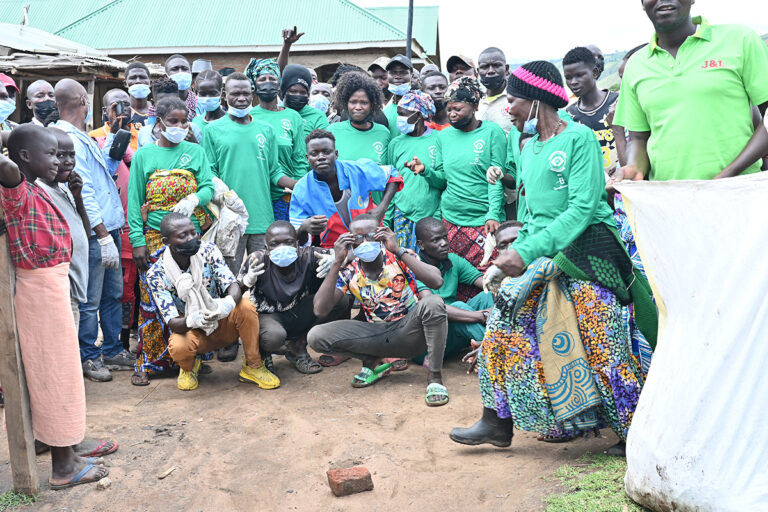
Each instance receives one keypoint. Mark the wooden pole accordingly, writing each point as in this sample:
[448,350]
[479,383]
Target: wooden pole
[409,31]
[18,418]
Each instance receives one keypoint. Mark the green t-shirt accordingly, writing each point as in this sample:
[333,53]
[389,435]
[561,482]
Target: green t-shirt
[469,200]
[353,144]
[245,158]
[420,196]
[151,158]
[696,106]
[564,186]
[390,111]
[291,149]
[459,272]
[313,120]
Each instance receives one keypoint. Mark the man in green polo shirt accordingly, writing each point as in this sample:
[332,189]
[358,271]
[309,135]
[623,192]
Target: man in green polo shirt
[686,98]
[466,321]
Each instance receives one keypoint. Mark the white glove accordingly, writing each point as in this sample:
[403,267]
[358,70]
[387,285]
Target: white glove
[488,247]
[187,205]
[198,321]
[492,279]
[324,263]
[223,308]
[255,269]
[110,256]
[493,174]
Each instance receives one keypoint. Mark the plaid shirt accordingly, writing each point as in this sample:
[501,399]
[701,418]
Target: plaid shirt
[38,234]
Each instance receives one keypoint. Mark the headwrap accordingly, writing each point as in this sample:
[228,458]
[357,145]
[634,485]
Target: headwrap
[465,89]
[258,67]
[295,74]
[538,80]
[418,101]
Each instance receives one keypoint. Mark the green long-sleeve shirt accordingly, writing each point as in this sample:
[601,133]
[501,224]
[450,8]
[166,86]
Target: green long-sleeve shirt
[390,111]
[469,200]
[420,196]
[151,158]
[313,120]
[244,156]
[291,149]
[565,193]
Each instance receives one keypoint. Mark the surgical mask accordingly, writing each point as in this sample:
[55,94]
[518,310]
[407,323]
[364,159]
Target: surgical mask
[368,251]
[461,123]
[530,125]
[440,105]
[6,108]
[404,126]
[208,104]
[296,101]
[399,90]
[43,109]
[283,255]
[266,91]
[183,80]
[320,102]
[240,112]
[174,134]
[139,91]
[188,248]
[493,83]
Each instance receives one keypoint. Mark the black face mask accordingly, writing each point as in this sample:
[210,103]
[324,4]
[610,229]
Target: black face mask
[188,248]
[296,101]
[43,109]
[266,91]
[440,105]
[493,83]
[461,123]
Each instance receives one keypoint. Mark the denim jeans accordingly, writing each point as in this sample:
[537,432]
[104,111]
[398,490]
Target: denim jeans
[105,288]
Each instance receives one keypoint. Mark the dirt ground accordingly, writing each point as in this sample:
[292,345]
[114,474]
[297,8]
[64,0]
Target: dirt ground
[240,448]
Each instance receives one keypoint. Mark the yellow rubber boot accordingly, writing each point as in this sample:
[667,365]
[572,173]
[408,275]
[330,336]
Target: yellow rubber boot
[187,381]
[259,376]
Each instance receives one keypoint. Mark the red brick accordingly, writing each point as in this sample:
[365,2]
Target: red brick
[346,481]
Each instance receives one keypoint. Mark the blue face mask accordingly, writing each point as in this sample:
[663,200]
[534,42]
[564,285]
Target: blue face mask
[7,108]
[404,126]
[139,91]
[208,104]
[240,112]
[399,90]
[368,251]
[183,80]
[283,255]
[529,127]
[319,102]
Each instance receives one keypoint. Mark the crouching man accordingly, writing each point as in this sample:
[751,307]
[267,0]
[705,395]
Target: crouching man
[202,305]
[399,324]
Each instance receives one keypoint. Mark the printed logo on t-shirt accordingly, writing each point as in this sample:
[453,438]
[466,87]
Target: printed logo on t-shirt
[432,154]
[286,125]
[712,64]
[479,147]
[557,161]
[378,147]
[184,160]
[261,140]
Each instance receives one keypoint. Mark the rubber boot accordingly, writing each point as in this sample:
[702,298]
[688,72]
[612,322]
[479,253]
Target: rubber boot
[490,429]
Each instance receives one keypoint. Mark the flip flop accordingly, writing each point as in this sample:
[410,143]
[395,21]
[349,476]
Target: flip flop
[435,389]
[329,360]
[555,440]
[398,365]
[139,380]
[368,377]
[304,363]
[79,478]
[101,450]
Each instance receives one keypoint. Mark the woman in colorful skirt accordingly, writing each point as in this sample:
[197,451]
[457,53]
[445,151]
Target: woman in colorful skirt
[557,357]
[169,175]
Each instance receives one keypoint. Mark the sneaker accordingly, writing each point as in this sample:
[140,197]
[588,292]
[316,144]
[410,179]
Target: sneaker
[122,361]
[95,370]
[259,376]
[228,353]
[187,381]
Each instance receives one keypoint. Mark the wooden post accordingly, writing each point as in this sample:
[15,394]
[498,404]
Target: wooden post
[18,418]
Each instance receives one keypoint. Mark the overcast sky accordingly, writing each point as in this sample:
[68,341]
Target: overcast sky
[547,29]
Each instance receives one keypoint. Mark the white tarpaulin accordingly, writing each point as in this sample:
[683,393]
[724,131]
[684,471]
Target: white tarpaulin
[699,437]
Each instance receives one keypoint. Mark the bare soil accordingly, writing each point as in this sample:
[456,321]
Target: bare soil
[240,448]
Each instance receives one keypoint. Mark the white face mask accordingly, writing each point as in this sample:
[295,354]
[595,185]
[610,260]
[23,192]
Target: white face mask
[174,134]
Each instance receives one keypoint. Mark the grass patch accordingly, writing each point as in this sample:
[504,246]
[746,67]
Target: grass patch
[12,499]
[594,484]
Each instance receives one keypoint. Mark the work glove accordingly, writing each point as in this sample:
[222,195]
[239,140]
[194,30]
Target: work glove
[492,279]
[324,263]
[198,321]
[187,205]
[488,247]
[493,174]
[255,269]
[224,307]
[110,256]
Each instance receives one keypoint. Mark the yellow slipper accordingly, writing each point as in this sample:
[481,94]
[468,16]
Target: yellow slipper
[259,376]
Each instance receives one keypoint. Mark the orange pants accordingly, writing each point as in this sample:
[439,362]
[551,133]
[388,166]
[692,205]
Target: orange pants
[243,322]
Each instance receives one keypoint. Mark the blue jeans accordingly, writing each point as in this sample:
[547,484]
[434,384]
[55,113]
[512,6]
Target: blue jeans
[105,288]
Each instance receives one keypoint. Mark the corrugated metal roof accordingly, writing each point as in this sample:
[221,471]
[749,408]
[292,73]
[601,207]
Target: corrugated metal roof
[425,20]
[33,40]
[48,15]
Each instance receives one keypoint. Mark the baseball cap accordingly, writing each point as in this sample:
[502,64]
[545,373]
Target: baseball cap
[455,59]
[381,62]
[399,59]
[8,82]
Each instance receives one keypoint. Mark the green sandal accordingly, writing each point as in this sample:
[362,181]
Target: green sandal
[368,377]
[434,390]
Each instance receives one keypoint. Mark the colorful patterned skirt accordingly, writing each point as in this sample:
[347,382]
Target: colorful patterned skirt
[405,230]
[511,372]
[469,243]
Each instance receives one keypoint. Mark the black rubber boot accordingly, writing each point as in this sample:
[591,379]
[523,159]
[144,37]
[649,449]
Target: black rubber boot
[490,429]
[228,353]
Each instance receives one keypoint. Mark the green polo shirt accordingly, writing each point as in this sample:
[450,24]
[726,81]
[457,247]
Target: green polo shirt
[696,106]
[460,271]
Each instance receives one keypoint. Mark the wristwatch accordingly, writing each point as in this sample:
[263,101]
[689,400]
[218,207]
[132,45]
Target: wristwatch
[401,253]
